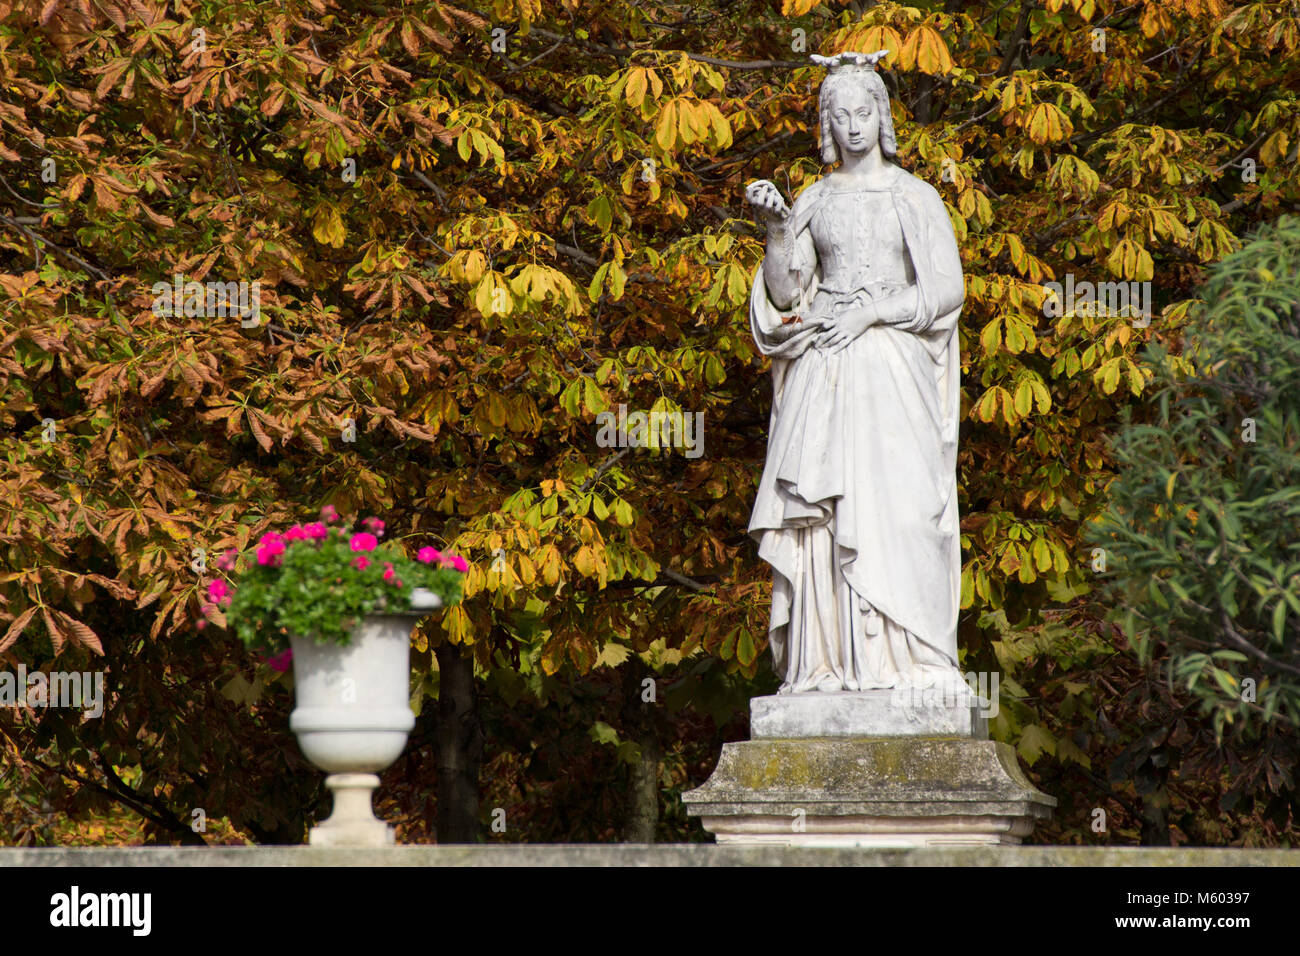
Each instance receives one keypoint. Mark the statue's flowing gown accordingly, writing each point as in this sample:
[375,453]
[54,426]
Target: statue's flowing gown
[857,506]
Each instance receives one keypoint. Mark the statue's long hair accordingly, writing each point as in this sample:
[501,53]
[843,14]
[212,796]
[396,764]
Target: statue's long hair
[841,79]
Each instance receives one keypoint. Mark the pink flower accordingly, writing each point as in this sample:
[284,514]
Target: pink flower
[218,589]
[271,537]
[362,562]
[374,525]
[269,553]
[389,573]
[397,583]
[201,625]
[280,662]
[226,562]
[456,561]
[317,531]
[329,514]
[364,542]
[429,555]
[296,533]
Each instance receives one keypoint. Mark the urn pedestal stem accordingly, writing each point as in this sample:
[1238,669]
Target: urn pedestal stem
[353,822]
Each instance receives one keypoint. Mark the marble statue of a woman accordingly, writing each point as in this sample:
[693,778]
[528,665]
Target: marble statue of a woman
[856,303]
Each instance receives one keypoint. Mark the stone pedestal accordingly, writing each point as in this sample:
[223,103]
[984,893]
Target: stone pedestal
[853,770]
[353,822]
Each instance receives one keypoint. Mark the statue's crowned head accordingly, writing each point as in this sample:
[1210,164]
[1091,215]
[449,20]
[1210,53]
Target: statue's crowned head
[853,73]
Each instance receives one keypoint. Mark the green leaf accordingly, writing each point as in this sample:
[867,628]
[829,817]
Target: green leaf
[603,733]
[1035,740]
[746,653]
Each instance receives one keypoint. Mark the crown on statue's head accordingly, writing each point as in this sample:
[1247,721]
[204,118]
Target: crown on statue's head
[850,60]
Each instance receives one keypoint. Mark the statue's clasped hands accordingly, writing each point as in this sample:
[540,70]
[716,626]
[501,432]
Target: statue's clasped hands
[845,323]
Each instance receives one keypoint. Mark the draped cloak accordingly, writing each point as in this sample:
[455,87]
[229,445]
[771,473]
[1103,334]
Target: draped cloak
[863,443]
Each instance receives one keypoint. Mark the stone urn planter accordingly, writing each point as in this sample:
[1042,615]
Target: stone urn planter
[353,715]
[341,606]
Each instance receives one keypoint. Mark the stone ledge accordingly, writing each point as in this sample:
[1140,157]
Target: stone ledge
[606,855]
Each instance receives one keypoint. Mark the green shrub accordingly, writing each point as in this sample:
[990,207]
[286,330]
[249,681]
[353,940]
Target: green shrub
[1201,538]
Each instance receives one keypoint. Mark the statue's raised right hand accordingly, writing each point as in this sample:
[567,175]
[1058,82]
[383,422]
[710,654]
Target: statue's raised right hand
[767,201]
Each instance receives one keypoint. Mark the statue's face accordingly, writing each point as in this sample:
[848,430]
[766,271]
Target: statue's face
[855,123]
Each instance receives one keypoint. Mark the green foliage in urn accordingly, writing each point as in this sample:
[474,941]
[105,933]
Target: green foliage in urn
[318,580]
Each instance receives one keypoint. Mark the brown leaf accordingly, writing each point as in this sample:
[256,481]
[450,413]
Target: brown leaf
[147,599]
[16,629]
[82,634]
[157,218]
[119,543]
[115,13]
[111,585]
[112,73]
[149,387]
[56,636]
[262,438]
[192,378]
[274,102]
[162,617]
[99,391]
[409,41]
[179,616]
[436,37]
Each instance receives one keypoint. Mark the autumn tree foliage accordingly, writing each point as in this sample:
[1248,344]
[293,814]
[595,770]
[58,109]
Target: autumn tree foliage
[474,229]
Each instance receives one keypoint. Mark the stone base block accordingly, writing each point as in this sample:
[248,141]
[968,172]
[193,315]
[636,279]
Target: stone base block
[868,791]
[376,834]
[872,713]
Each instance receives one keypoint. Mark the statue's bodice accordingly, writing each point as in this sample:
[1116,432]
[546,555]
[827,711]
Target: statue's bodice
[859,242]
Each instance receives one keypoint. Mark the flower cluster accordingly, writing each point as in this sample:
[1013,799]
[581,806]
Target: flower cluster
[434,556]
[318,579]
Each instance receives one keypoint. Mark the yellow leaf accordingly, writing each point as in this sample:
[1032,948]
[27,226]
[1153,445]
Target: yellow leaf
[1047,124]
[456,623]
[1023,401]
[637,81]
[612,655]
[931,52]
[617,280]
[881,38]
[550,561]
[492,297]
[688,121]
[328,226]
[666,128]
[721,128]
